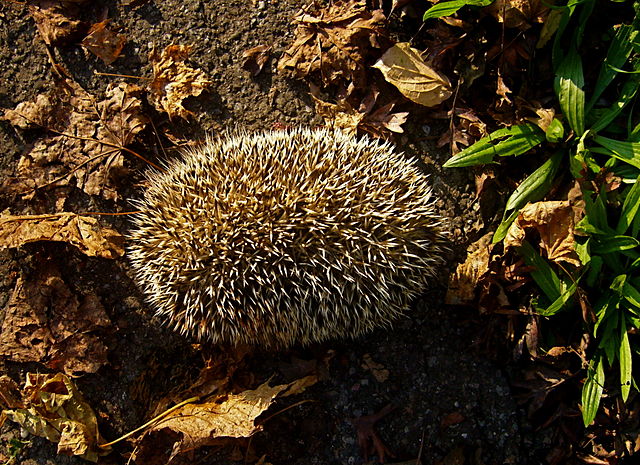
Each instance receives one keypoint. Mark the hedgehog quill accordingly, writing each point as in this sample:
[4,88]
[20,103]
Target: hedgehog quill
[285,237]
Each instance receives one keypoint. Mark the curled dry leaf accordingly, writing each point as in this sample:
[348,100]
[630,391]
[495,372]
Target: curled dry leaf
[53,408]
[255,58]
[83,232]
[519,14]
[103,42]
[404,67]
[88,143]
[379,372]
[174,80]
[335,43]
[56,21]
[555,223]
[45,322]
[212,422]
[380,122]
[463,282]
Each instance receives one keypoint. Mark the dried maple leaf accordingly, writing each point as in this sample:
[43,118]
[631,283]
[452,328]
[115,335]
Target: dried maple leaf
[335,43]
[379,372]
[519,13]
[555,223]
[45,322]
[90,137]
[174,80]
[83,232]
[56,21]
[404,67]
[212,422]
[255,58]
[380,122]
[103,42]
[53,408]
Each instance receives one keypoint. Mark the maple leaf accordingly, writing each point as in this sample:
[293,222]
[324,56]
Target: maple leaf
[255,58]
[56,21]
[88,139]
[335,42]
[174,80]
[45,322]
[103,42]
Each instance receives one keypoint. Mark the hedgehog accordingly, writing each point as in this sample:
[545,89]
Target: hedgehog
[285,237]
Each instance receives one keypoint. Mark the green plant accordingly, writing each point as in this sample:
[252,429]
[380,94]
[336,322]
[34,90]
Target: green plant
[452,6]
[593,138]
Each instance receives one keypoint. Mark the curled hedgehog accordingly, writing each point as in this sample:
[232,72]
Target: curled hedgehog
[285,237]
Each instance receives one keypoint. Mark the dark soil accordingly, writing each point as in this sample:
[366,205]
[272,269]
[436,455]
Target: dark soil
[436,373]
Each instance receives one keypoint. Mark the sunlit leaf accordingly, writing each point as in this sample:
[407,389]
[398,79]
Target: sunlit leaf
[592,390]
[568,85]
[448,8]
[625,361]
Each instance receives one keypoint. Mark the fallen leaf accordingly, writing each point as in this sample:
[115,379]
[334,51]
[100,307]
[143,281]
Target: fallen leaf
[335,43]
[368,440]
[173,80]
[83,232]
[255,58]
[451,419]
[212,422]
[463,282]
[55,409]
[380,122]
[519,14]
[379,372]
[103,42]
[403,67]
[45,322]
[555,223]
[56,21]
[88,141]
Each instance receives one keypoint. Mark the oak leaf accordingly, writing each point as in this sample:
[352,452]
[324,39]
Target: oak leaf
[404,67]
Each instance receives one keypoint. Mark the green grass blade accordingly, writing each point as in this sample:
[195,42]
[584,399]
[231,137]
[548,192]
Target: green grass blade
[568,86]
[501,231]
[542,273]
[628,152]
[619,50]
[592,390]
[628,92]
[536,185]
[448,8]
[613,244]
[625,361]
[630,208]
[512,141]
[560,302]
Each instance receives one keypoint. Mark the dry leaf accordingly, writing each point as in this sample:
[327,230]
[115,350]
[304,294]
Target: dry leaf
[45,322]
[335,42]
[56,21]
[519,13]
[88,145]
[212,422]
[103,42]
[83,232]
[54,409]
[174,80]
[378,123]
[555,223]
[463,282]
[379,372]
[404,67]
[255,58]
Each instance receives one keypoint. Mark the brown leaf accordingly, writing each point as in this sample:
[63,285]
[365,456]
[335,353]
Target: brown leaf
[380,122]
[45,322]
[379,372]
[403,67]
[255,58]
[519,13]
[451,419]
[463,282]
[335,43]
[55,409]
[88,143]
[554,221]
[174,80]
[211,422]
[103,42]
[83,232]
[56,21]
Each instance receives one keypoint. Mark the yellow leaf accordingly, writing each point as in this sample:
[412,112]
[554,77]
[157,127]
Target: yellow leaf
[403,67]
